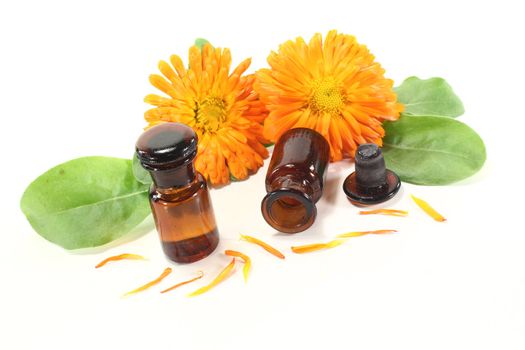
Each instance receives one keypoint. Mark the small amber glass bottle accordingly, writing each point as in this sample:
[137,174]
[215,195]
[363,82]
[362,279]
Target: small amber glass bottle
[294,181]
[179,195]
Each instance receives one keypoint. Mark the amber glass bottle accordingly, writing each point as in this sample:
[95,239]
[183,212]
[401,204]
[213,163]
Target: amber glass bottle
[294,181]
[179,195]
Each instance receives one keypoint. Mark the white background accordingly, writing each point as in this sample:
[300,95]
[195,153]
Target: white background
[72,79]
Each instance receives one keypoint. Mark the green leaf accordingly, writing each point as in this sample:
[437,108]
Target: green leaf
[430,97]
[86,202]
[200,42]
[141,174]
[429,150]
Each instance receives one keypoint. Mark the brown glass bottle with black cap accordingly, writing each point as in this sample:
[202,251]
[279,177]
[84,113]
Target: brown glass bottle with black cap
[179,196]
[295,180]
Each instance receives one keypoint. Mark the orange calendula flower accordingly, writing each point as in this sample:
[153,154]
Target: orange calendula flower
[334,87]
[220,106]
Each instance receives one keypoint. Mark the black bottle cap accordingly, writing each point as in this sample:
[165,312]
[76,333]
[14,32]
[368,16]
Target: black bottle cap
[371,182]
[166,146]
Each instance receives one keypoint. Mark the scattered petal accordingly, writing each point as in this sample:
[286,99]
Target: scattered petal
[201,274]
[362,233]
[428,209]
[307,248]
[120,257]
[157,280]
[220,277]
[265,246]
[245,258]
[391,212]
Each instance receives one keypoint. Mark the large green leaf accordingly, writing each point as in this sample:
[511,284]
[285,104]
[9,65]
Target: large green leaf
[200,42]
[86,202]
[141,174]
[430,97]
[430,150]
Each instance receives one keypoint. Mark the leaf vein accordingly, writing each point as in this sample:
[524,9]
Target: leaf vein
[426,150]
[99,202]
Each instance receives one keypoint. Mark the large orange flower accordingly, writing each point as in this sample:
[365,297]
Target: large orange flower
[334,87]
[222,108]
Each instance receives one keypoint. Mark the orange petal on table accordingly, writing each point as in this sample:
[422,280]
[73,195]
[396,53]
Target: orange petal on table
[245,258]
[307,248]
[201,274]
[157,280]
[265,246]
[362,233]
[220,277]
[120,257]
[428,209]
[391,212]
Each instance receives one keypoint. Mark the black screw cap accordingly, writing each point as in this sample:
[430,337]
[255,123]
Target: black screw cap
[371,182]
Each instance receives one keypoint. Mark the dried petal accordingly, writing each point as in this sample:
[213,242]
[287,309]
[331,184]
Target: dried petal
[120,257]
[245,258]
[307,248]
[220,277]
[201,274]
[362,233]
[391,212]
[265,246]
[428,209]
[157,280]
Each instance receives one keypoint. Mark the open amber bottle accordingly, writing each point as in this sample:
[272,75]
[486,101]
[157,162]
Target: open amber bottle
[295,179]
[179,196]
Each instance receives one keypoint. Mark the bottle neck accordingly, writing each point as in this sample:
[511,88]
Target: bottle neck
[178,177]
[297,180]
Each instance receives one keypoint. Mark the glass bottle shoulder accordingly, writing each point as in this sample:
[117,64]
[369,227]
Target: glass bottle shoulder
[181,194]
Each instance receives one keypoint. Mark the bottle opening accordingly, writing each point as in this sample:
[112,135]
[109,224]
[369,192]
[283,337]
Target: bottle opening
[288,210]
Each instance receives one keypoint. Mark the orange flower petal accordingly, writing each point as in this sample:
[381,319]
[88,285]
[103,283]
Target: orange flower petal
[264,245]
[201,274]
[245,258]
[391,212]
[220,277]
[120,257]
[308,248]
[428,209]
[157,280]
[362,233]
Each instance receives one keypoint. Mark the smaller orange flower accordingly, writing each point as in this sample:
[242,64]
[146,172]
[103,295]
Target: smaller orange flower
[221,107]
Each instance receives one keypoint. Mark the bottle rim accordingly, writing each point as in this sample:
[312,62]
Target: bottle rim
[275,201]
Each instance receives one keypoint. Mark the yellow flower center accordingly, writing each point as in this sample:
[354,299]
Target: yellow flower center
[327,95]
[210,114]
